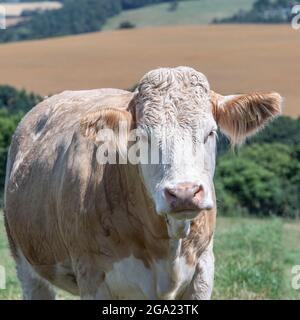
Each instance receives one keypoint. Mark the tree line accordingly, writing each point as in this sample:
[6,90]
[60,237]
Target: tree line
[264,11]
[74,17]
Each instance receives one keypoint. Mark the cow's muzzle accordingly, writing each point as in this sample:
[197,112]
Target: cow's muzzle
[186,200]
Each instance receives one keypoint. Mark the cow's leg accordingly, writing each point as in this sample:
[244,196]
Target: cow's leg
[203,280]
[33,286]
[100,293]
[91,279]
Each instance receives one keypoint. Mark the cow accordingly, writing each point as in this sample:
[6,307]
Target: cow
[123,230]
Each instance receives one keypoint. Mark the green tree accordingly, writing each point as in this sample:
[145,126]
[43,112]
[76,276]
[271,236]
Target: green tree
[17,100]
[260,179]
[74,17]
[261,5]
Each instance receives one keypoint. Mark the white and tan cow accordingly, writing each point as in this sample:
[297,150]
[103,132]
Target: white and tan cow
[123,231]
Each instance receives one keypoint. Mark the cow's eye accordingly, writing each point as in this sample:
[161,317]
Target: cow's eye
[213,133]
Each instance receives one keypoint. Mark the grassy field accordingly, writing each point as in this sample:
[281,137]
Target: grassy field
[254,258]
[234,58]
[188,12]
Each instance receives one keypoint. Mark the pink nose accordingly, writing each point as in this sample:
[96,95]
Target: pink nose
[185,196]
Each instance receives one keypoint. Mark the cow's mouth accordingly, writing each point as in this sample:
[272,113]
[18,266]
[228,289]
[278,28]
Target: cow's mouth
[184,214]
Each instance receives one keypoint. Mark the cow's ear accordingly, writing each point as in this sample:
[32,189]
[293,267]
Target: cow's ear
[240,116]
[108,125]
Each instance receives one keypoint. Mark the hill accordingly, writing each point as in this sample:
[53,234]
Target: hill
[187,13]
[235,59]
[74,17]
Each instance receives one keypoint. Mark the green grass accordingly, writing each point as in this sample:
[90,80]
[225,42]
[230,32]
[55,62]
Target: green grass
[187,13]
[291,240]
[254,258]
[249,260]
[12,285]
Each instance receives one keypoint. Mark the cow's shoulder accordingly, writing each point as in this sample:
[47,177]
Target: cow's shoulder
[51,124]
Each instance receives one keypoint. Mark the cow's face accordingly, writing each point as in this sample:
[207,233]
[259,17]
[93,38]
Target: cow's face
[177,116]
[174,114]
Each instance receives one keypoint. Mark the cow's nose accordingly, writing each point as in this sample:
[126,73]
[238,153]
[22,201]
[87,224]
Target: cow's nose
[185,196]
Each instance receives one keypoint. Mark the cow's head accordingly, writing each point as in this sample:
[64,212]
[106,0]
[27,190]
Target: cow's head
[175,111]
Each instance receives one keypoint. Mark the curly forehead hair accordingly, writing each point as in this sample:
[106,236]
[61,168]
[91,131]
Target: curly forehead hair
[179,78]
[172,93]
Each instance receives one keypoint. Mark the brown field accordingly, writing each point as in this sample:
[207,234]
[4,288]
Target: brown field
[15,9]
[234,58]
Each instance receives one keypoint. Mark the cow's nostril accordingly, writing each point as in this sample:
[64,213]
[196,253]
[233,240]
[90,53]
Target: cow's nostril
[185,196]
[170,193]
[184,192]
[198,190]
